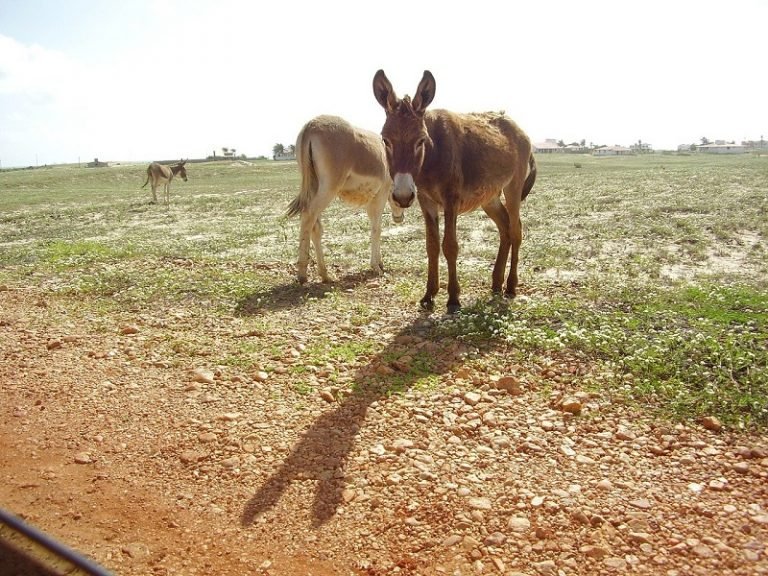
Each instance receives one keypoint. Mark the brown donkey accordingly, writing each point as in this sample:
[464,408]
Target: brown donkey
[455,163]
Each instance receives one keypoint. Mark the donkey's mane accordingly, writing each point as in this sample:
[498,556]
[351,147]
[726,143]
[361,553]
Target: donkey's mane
[404,107]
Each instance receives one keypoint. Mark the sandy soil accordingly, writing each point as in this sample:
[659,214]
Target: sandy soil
[154,462]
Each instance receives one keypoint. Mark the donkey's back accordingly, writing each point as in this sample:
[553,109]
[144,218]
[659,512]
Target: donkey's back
[338,159]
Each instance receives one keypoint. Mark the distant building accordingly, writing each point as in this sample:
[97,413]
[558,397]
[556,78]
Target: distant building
[611,151]
[641,148]
[549,146]
[286,155]
[97,164]
[575,148]
[755,145]
[721,147]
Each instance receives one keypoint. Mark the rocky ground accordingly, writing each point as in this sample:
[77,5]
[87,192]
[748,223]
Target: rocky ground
[121,436]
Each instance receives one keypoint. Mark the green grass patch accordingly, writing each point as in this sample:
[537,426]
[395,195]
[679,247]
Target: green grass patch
[692,351]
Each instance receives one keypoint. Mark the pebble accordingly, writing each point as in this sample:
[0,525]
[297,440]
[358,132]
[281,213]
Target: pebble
[260,376]
[591,551]
[191,456]
[546,568]
[472,398]
[128,329]
[571,406]
[480,503]
[495,539]
[641,503]
[451,540]
[327,395]
[623,434]
[231,462]
[83,458]
[135,550]
[519,524]
[615,563]
[711,423]
[53,344]
[604,484]
[703,551]
[401,445]
[640,537]
[509,384]
[202,376]
[741,467]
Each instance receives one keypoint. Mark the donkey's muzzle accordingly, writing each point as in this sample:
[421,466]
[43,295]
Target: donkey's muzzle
[403,190]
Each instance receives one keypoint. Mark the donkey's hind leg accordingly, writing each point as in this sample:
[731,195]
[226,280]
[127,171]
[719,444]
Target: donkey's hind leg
[317,240]
[512,195]
[498,213]
[312,227]
[306,228]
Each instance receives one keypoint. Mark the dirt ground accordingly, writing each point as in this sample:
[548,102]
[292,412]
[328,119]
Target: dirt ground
[153,463]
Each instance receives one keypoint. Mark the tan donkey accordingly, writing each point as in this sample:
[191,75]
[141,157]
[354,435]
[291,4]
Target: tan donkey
[159,174]
[337,159]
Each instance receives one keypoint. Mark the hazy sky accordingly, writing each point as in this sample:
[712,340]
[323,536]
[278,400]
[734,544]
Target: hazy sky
[164,79]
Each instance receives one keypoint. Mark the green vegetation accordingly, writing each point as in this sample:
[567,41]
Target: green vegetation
[651,270]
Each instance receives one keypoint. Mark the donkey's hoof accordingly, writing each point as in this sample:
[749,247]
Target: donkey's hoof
[453,308]
[427,303]
[510,294]
[302,279]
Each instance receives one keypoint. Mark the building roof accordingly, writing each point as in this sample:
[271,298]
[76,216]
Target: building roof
[720,146]
[547,145]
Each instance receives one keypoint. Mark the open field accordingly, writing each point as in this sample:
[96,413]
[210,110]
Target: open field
[173,402]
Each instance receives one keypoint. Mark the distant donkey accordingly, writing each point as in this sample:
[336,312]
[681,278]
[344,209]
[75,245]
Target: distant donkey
[454,163]
[338,159]
[158,173]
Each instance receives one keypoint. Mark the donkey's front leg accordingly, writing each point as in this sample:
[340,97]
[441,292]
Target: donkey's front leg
[375,209]
[432,227]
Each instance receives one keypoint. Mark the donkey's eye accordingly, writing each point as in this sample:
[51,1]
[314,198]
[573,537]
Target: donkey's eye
[419,144]
[387,144]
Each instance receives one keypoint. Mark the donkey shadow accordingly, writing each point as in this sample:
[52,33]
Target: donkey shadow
[324,448]
[291,294]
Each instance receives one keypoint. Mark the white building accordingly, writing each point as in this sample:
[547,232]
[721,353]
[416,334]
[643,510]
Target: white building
[722,148]
[611,151]
[549,146]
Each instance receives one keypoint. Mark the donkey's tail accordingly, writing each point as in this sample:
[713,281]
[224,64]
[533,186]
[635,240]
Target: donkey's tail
[145,183]
[309,182]
[529,181]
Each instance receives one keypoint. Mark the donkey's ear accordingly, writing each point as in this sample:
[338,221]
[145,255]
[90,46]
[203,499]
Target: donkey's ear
[382,89]
[425,93]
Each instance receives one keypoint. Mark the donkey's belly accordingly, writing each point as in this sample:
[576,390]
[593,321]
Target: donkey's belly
[359,190]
